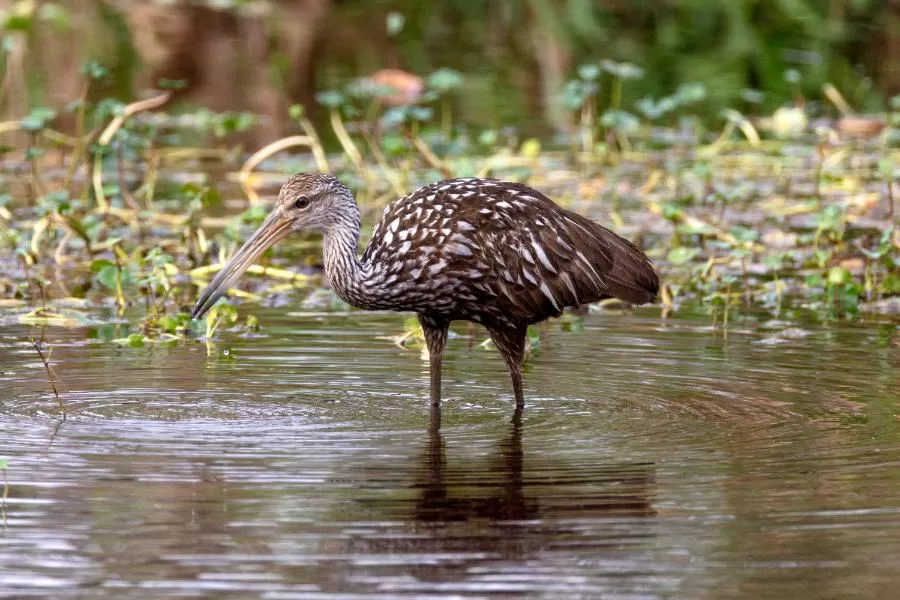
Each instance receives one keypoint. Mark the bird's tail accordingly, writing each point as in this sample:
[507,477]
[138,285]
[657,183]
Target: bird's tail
[631,277]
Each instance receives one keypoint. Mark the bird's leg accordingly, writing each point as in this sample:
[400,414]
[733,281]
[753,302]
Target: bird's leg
[434,422]
[435,340]
[510,341]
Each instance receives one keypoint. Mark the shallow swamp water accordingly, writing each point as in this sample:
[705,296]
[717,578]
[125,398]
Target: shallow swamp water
[655,458]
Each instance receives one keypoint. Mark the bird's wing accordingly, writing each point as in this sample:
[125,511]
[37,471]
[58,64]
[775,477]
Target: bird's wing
[542,258]
[464,248]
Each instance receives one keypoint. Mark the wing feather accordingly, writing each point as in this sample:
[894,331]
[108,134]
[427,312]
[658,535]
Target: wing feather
[506,251]
[555,258]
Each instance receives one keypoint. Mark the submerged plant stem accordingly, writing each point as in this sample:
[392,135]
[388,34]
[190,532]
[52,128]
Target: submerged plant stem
[50,375]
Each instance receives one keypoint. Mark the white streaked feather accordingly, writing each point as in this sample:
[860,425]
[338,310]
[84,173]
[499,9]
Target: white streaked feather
[567,279]
[546,291]
[458,249]
[542,256]
[598,281]
[527,255]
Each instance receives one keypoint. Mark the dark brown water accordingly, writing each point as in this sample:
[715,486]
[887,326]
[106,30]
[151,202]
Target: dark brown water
[654,459]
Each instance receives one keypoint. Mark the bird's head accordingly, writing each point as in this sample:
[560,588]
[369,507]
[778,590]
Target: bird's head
[308,201]
[311,201]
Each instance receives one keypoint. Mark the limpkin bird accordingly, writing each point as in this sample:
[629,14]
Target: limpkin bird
[497,253]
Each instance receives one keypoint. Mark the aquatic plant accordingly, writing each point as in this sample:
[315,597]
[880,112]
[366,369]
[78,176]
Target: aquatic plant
[737,220]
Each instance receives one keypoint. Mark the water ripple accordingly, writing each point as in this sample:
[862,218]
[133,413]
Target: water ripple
[652,460]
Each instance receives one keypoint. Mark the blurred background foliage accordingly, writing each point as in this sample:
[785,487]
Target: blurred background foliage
[516,56]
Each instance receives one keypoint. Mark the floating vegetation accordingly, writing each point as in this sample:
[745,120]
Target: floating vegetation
[740,215]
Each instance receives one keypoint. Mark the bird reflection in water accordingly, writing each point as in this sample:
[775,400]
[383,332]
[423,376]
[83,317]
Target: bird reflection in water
[465,521]
[508,503]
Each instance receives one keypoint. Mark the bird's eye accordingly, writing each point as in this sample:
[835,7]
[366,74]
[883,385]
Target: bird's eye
[301,202]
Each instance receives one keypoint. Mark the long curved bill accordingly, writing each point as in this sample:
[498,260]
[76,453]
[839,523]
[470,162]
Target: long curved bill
[275,228]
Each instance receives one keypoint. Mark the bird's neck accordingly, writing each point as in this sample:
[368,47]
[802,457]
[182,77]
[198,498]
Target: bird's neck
[349,277]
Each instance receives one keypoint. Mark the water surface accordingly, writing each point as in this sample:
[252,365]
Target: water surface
[654,459]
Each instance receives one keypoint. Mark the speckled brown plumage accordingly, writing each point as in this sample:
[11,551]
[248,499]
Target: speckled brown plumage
[498,253]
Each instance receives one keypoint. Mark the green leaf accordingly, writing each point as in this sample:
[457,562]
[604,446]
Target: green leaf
[18,22]
[839,276]
[393,117]
[744,235]
[774,261]
[233,122]
[168,323]
[157,258]
[254,215]
[651,109]
[445,80]
[94,70]
[420,113]
[98,264]
[33,153]
[830,218]
[620,120]
[682,255]
[695,228]
[792,76]
[55,14]
[394,23]
[589,72]
[576,93]
[107,276]
[228,313]
[690,93]
[671,212]
[38,118]
[717,300]
[751,96]
[488,137]
[623,70]
[330,98]
[394,143]
[891,284]
[56,200]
